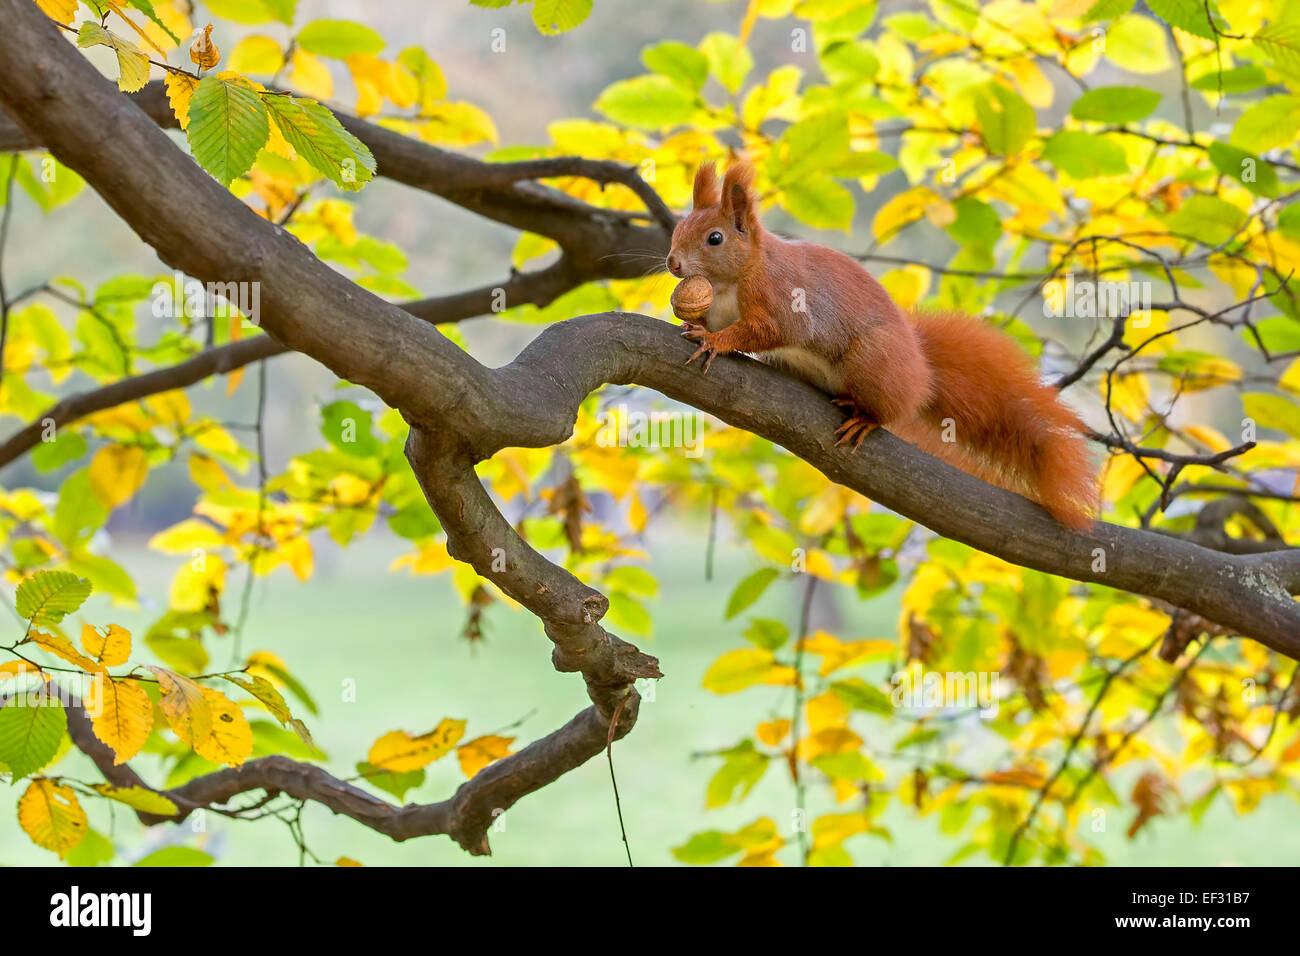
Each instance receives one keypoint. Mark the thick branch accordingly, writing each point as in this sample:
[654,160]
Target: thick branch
[465,816]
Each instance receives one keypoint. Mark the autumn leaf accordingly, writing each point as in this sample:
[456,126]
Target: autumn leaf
[180,90]
[185,706]
[231,739]
[132,62]
[203,51]
[481,751]
[117,472]
[138,798]
[51,815]
[121,715]
[111,648]
[399,751]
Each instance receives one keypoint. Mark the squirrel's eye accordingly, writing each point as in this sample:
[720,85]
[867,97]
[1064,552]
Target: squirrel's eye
[715,238]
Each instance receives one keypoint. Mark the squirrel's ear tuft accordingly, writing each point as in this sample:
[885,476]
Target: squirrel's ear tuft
[737,199]
[706,186]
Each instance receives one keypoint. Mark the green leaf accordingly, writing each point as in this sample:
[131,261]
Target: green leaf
[677,61]
[1108,10]
[707,847]
[253,11]
[339,38]
[176,856]
[94,849]
[1187,15]
[743,768]
[1281,43]
[977,224]
[1006,119]
[1115,104]
[559,16]
[1268,124]
[728,60]
[1278,333]
[31,728]
[1241,79]
[48,596]
[849,61]
[819,201]
[348,428]
[815,144]
[750,590]
[1207,219]
[390,781]
[650,102]
[228,126]
[1246,168]
[320,139]
[860,695]
[1084,155]
[52,455]
[1273,411]
[767,633]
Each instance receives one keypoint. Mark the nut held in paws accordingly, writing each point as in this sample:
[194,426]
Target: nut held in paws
[692,298]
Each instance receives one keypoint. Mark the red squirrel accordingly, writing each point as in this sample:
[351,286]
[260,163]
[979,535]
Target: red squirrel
[817,314]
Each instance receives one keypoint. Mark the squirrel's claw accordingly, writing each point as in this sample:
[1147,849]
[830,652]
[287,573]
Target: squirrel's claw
[708,346]
[856,427]
[709,355]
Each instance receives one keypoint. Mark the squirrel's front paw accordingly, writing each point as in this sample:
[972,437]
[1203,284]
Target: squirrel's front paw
[710,348]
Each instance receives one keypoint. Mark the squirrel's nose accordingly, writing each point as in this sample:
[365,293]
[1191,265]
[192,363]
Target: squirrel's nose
[675,266]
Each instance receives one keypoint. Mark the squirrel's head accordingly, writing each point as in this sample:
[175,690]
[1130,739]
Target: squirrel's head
[719,237]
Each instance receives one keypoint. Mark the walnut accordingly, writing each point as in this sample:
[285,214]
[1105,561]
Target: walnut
[692,298]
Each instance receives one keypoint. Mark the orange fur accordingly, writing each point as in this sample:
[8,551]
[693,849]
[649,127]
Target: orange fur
[819,315]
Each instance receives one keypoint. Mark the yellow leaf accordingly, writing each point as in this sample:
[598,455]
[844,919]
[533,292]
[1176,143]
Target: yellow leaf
[311,76]
[458,124]
[51,815]
[836,653]
[346,861]
[745,667]
[1129,395]
[1211,438]
[256,54]
[825,511]
[121,715]
[12,669]
[183,538]
[132,62]
[907,285]
[117,472]
[401,752]
[1122,472]
[63,647]
[111,648]
[1290,379]
[231,740]
[772,732]
[903,210]
[138,798]
[61,10]
[481,751]
[185,706]
[196,582]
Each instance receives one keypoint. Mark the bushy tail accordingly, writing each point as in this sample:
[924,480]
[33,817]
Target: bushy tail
[991,416]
